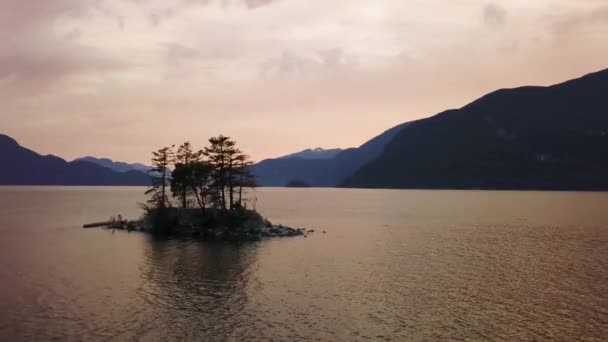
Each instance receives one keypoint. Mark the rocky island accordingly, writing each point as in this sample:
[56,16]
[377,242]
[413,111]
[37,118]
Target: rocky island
[237,225]
[209,198]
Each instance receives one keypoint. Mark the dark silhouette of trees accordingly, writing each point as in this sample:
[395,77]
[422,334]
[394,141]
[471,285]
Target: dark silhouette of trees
[214,177]
[231,171]
[161,160]
[243,177]
[190,183]
[201,172]
[182,177]
[216,154]
[181,183]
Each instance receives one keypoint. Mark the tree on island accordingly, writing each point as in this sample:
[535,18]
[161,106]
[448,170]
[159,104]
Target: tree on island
[182,178]
[161,160]
[230,166]
[243,177]
[212,178]
[200,172]
[208,187]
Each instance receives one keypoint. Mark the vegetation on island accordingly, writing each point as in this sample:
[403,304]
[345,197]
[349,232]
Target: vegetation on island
[206,193]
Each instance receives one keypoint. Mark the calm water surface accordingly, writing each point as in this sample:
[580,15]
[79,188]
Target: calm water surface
[394,266]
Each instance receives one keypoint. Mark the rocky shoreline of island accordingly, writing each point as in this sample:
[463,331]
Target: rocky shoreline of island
[206,193]
[243,225]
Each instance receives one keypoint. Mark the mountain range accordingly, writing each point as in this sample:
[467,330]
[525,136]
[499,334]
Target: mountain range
[321,172]
[524,138]
[115,165]
[542,138]
[314,153]
[21,166]
[538,138]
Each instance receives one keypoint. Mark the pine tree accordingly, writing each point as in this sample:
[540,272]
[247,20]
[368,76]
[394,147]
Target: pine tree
[243,177]
[181,183]
[200,174]
[161,160]
[217,154]
[230,170]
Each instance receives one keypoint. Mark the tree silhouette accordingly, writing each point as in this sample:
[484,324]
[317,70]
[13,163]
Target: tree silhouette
[200,175]
[182,177]
[161,160]
[230,171]
[243,177]
[215,176]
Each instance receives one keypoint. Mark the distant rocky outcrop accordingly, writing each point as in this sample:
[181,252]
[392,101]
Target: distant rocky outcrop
[21,166]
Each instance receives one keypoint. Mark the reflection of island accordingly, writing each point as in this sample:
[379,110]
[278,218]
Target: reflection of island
[198,287]
[297,183]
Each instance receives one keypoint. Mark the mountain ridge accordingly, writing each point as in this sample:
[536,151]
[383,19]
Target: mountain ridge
[537,138]
[117,166]
[322,172]
[314,153]
[22,166]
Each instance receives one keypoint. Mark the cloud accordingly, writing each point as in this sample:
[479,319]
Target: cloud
[332,57]
[24,15]
[177,53]
[494,15]
[577,22]
[34,54]
[32,70]
[107,72]
[259,3]
[250,4]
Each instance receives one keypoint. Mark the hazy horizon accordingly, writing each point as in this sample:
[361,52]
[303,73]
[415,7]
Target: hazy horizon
[118,79]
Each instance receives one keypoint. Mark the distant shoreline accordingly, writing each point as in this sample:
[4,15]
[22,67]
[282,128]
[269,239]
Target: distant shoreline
[316,188]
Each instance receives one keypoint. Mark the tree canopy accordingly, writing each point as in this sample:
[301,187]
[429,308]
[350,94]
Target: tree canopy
[161,160]
[214,177]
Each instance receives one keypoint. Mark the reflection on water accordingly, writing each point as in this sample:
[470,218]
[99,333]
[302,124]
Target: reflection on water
[394,265]
[200,287]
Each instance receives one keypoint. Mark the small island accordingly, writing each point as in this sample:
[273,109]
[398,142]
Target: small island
[205,194]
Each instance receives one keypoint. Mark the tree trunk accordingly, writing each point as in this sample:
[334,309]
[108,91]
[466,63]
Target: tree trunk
[223,197]
[163,185]
[230,186]
[198,198]
[223,189]
[223,178]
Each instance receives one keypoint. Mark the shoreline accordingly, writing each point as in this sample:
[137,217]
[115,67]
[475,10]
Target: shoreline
[211,225]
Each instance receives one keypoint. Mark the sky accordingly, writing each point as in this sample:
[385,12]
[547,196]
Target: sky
[121,78]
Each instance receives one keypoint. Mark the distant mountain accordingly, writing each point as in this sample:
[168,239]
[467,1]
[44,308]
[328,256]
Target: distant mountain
[20,166]
[525,138]
[322,172]
[115,165]
[317,153]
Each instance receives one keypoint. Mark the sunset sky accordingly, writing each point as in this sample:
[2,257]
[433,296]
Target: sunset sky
[120,78]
